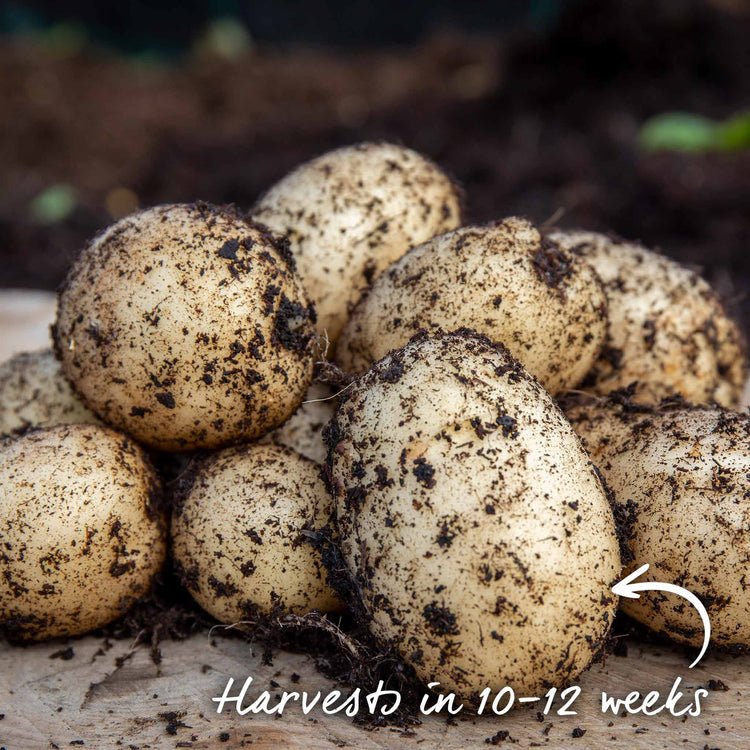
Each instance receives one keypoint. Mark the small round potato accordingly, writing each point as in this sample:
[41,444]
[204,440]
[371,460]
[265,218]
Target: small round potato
[186,326]
[682,475]
[351,212]
[503,280]
[239,535]
[471,520]
[80,535]
[668,331]
[34,393]
[303,431]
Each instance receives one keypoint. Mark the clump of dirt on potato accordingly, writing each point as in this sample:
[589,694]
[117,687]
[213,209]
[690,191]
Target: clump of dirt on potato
[668,330]
[187,327]
[503,280]
[81,537]
[350,212]
[470,519]
[34,393]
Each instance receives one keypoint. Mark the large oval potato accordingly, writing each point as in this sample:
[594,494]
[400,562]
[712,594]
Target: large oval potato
[682,474]
[471,520]
[503,280]
[80,534]
[349,213]
[668,331]
[187,327]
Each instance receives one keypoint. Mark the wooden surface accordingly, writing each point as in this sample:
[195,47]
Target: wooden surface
[90,698]
[112,696]
[25,317]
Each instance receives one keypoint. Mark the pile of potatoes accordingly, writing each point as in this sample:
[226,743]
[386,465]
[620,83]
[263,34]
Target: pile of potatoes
[468,501]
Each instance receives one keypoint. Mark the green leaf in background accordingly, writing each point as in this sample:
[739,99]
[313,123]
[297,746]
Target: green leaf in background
[734,133]
[53,204]
[677,131]
[689,133]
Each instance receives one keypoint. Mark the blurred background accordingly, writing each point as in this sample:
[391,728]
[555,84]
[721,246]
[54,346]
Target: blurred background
[629,116]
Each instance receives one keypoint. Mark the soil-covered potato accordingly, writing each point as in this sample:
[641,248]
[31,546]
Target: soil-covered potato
[303,431]
[504,280]
[186,326]
[34,393]
[351,212]
[682,473]
[80,535]
[668,331]
[472,522]
[241,534]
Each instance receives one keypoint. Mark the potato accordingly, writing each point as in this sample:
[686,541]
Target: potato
[502,280]
[351,212]
[471,520]
[668,331]
[186,326]
[303,431]
[33,393]
[80,535]
[683,475]
[240,535]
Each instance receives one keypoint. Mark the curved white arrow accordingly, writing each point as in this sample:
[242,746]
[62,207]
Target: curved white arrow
[626,587]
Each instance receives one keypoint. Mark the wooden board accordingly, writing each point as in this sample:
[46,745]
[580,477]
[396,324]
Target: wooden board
[90,698]
[25,318]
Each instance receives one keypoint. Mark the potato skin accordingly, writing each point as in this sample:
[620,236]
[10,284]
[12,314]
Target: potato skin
[471,520]
[502,280]
[238,534]
[303,431]
[186,326]
[80,535]
[350,212]
[34,393]
[682,475]
[668,330]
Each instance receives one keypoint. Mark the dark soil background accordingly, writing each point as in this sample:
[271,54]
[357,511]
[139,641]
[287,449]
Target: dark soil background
[536,123]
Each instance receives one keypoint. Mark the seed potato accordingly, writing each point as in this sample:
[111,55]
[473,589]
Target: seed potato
[503,280]
[80,535]
[240,535]
[682,474]
[186,326]
[351,212]
[34,393]
[668,330]
[303,431]
[471,520]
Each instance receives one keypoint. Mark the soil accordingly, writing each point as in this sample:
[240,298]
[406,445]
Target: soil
[530,125]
